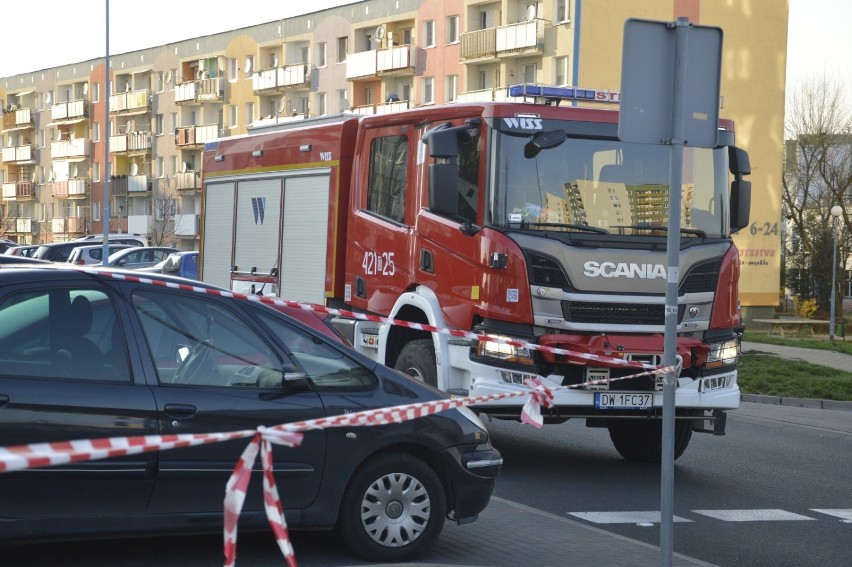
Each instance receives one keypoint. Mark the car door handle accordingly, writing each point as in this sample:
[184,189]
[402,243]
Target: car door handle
[4,399]
[180,411]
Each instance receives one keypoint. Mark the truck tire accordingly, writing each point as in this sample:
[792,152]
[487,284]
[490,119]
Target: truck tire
[417,359]
[393,509]
[641,440]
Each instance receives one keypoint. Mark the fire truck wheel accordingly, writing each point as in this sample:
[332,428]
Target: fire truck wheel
[393,508]
[417,359]
[642,440]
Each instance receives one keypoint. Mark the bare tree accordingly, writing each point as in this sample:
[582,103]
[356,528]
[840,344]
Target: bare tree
[817,176]
[8,222]
[165,212]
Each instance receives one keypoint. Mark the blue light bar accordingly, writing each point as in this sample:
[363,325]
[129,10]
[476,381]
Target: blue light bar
[564,93]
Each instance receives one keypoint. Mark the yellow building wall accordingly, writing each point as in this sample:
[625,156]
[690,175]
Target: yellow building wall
[754,52]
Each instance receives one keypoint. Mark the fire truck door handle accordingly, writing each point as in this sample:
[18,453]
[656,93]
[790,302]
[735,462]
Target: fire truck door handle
[426,263]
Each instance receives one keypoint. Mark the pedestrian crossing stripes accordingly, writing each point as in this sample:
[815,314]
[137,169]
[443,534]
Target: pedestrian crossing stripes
[759,515]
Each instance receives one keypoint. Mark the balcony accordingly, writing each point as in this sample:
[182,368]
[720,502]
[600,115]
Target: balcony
[138,142]
[396,60]
[479,45]
[132,102]
[18,119]
[69,112]
[18,154]
[522,38]
[23,225]
[70,189]
[139,224]
[186,225]
[71,149]
[360,65]
[201,90]
[197,136]
[381,108]
[188,180]
[120,185]
[18,191]
[294,76]
[68,225]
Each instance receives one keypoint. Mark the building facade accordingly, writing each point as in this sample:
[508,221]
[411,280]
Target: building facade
[66,132]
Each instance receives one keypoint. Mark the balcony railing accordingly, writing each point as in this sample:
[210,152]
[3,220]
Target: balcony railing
[72,188]
[396,60]
[197,135]
[521,37]
[294,75]
[17,153]
[68,225]
[129,184]
[73,148]
[130,142]
[139,224]
[188,180]
[362,64]
[201,90]
[24,225]
[186,225]
[479,44]
[18,119]
[19,190]
[69,110]
[133,101]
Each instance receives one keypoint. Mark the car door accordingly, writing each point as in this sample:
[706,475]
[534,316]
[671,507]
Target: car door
[230,379]
[65,375]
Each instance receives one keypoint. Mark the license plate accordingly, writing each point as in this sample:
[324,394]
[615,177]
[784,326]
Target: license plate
[623,400]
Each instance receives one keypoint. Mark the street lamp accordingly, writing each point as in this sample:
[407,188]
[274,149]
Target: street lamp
[836,211]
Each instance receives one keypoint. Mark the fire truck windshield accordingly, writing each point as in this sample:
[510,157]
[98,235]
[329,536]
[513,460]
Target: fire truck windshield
[603,185]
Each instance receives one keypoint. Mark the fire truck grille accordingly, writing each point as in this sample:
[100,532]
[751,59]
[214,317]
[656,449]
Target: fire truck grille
[701,278]
[616,313]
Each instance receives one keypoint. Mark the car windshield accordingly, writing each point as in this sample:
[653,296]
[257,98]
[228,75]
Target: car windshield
[603,185]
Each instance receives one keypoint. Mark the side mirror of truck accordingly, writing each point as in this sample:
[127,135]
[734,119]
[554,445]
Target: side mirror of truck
[443,189]
[739,164]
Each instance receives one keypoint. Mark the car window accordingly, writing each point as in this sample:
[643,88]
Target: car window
[326,367]
[65,333]
[197,341]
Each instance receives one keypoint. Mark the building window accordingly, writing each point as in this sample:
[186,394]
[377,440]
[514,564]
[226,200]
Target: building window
[160,81]
[321,111]
[342,100]
[342,48]
[406,36]
[321,50]
[483,20]
[96,211]
[386,185]
[232,115]
[429,33]
[173,165]
[96,171]
[368,95]
[160,167]
[560,71]
[249,112]
[452,88]
[173,123]
[158,127]
[428,90]
[453,29]
[232,69]
[96,92]
[530,73]
[483,80]
[562,16]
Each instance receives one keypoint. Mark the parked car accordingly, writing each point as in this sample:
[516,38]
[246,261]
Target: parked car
[7,259]
[5,244]
[86,357]
[135,239]
[182,264]
[60,251]
[26,251]
[93,254]
[140,256]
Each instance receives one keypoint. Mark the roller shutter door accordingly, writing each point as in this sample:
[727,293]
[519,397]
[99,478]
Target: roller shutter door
[218,233]
[305,238]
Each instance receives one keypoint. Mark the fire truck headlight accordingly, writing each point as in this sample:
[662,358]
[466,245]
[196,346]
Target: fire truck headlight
[503,352]
[723,354]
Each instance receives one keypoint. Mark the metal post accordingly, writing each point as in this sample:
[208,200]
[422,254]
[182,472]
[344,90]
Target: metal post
[673,257]
[105,252]
[835,214]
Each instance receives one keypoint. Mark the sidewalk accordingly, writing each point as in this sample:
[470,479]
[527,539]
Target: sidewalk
[835,360]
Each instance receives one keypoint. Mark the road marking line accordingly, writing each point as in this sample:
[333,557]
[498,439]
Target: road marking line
[622,517]
[843,514]
[768,515]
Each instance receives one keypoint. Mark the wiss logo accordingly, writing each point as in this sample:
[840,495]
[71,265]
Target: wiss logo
[258,205]
[523,123]
[594,269]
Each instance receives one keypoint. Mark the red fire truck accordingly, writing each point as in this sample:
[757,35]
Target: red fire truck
[527,220]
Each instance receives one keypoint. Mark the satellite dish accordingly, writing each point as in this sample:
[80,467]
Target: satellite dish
[127,87]
[47,98]
[531,12]
[134,168]
[85,89]
[13,107]
[168,76]
[274,60]
[183,166]
[51,176]
[344,104]
[73,170]
[380,32]
[247,65]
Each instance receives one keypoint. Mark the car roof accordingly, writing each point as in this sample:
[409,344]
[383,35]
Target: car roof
[9,259]
[48,271]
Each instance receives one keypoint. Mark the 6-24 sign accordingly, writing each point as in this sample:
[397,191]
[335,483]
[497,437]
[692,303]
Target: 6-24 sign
[378,263]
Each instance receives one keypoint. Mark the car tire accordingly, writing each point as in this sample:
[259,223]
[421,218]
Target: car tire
[641,440]
[393,509]
[417,359]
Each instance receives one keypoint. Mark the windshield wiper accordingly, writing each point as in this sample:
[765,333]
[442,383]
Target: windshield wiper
[580,227]
[660,228]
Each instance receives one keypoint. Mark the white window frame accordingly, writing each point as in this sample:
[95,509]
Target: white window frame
[453,32]
[562,12]
[321,108]
[322,53]
[428,90]
[560,66]
[429,33]
[452,88]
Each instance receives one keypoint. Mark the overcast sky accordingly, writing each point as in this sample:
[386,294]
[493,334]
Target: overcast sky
[820,39]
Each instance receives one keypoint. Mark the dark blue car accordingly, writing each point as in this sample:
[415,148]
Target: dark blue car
[181,264]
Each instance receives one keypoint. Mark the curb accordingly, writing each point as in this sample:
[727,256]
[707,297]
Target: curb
[798,402]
